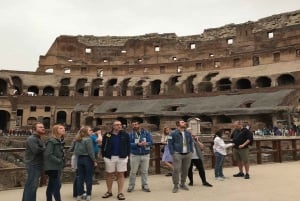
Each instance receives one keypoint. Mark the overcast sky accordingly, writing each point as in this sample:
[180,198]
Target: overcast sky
[29,27]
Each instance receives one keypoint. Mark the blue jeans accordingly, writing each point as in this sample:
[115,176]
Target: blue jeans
[54,185]
[32,182]
[219,164]
[135,162]
[85,168]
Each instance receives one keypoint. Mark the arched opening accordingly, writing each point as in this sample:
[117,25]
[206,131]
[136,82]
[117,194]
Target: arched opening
[95,88]
[285,79]
[89,121]
[205,87]
[5,119]
[48,91]
[223,119]
[31,121]
[124,87]
[64,91]
[138,88]
[155,87]
[171,85]
[46,122]
[263,81]
[98,121]
[65,81]
[243,84]
[206,123]
[109,87]
[123,121]
[224,84]
[61,117]
[80,86]
[33,89]
[17,82]
[154,120]
[3,87]
[189,86]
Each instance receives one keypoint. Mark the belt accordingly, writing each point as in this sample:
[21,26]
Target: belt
[184,153]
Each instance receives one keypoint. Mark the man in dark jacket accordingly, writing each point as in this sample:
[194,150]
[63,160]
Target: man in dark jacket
[241,138]
[115,151]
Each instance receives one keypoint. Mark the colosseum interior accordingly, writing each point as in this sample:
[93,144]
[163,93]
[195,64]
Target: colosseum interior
[248,72]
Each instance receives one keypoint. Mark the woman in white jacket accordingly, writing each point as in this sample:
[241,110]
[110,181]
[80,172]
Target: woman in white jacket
[220,153]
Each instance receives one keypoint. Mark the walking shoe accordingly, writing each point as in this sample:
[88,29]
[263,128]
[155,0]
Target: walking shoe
[184,187]
[146,189]
[175,189]
[88,198]
[78,198]
[191,184]
[169,174]
[207,184]
[130,189]
[240,174]
[247,176]
[219,179]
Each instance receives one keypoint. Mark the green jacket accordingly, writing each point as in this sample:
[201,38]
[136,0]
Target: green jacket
[54,155]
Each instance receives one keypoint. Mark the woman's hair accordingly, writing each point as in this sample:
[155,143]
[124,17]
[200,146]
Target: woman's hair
[166,129]
[55,131]
[83,132]
[218,133]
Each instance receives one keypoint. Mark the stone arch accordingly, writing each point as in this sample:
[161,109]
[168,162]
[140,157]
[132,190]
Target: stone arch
[243,83]
[155,87]
[224,84]
[61,117]
[171,85]
[46,122]
[17,84]
[189,86]
[80,86]
[89,121]
[48,91]
[3,87]
[33,89]
[263,81]
[223,119]
[285,79]
[138,88]
[5,119]
[64,91]
[31,121]
[124,87]
[95,88]
[205,87]
[109,86]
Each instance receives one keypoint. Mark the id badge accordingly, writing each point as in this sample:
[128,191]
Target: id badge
[136,141]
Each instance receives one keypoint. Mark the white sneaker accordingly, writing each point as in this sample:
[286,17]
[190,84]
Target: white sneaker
[219,178]
[79,198]
[88,198]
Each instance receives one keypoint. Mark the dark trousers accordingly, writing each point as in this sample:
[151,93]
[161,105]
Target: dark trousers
[199,165]
[54,185]
[85,168]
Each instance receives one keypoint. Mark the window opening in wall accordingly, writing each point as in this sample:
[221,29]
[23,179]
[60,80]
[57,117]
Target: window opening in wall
[270,35]
[276,56]
[174,58]
[255,60]
[217,64]
[114,70]
[83,69]
[88,50]
[192,46]
[156,48]
[99,72]
[211,55]
[140,60]
[49,70]
[236,62]
[162,69]
[70,60]
[179,69]
[67,70]
[112,110]
[47,108]
[123,51]
[32,108]
[146,69]
[105,60]
[229,41]
[298,52]
[198,66]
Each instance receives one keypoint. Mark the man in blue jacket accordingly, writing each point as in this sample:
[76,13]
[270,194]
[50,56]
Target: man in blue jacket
[180,144]
[140,143]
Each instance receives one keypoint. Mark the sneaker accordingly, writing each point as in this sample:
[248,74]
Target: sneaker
[130,189]
[247,176]
[219,179]
[184,187]
[88,198]
[175,189]
[78,198]
[191,184]
[146,189]
[240,174]
[207,184]
[169,174]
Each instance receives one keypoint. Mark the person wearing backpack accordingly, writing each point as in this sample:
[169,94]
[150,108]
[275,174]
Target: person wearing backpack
[242,138]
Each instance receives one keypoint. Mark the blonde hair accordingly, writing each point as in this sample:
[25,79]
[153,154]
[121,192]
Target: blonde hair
[83,132]
[55,133]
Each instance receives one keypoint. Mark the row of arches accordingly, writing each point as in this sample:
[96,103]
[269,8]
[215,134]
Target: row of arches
[129,87]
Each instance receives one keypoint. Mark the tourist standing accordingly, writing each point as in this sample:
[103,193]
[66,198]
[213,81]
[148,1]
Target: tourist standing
[115,150]
[34,151]
[140,143]
[167,159]
[54,162]
[180,144]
